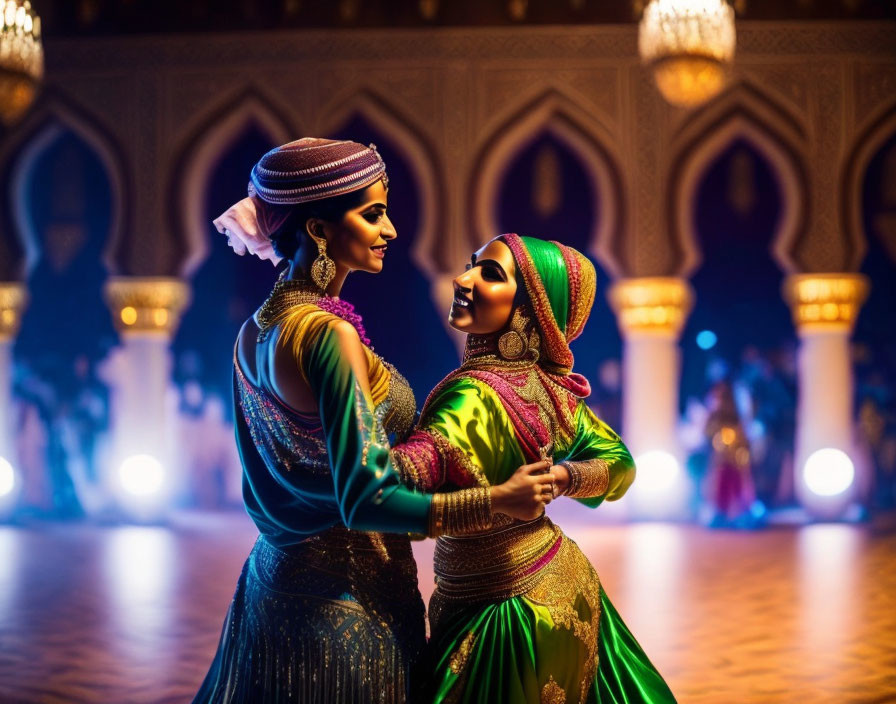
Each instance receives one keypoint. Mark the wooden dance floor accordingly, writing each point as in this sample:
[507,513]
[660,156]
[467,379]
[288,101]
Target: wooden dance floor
[132,614]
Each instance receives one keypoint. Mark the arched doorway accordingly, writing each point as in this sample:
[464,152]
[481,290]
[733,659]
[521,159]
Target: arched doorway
[63,209]
[227,289]
[740,330]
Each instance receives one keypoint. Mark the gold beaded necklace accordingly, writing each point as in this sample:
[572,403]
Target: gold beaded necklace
[287,294]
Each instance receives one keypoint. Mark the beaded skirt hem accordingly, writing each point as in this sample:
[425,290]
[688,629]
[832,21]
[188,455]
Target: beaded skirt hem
[285,647]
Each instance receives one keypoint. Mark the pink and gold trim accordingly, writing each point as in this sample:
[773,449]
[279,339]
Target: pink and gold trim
[428,460]
[582,289]
[554,344]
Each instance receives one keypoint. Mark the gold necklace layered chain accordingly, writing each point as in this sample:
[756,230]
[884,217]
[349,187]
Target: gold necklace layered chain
[482,353]
[287,294]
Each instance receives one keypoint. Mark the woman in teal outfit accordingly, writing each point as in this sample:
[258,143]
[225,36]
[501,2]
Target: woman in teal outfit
[519,615]
[327,608]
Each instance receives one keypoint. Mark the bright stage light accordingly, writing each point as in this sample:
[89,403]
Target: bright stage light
[706,339]
[7,477]
[828,472]
[657,471]
[141,475]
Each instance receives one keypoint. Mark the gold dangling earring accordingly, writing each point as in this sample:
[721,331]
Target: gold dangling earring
[521,339]
[323,269]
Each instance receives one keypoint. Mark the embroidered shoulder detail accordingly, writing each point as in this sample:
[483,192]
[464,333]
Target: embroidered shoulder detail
[526,405]
[282,439]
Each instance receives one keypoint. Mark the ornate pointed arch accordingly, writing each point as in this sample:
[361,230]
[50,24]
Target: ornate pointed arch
[742,112]
[420,154]
[876,132]
[580,130]
[211,134]
[55,113]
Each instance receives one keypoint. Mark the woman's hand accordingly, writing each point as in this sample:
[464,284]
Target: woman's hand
[526,493]
[561,479]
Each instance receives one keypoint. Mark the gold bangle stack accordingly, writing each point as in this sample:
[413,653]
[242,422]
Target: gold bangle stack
[460,512]
[587,478]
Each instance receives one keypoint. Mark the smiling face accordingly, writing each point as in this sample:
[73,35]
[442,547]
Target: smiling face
[357,241]
[484,293]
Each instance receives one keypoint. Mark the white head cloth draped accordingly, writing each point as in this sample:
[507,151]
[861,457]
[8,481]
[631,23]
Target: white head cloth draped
[248,225]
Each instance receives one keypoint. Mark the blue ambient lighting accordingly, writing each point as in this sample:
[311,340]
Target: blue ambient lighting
[706,339]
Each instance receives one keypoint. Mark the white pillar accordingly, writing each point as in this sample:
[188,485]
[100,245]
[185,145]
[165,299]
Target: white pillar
[651,366]
[825,307]
[143,472]
[12,301]
[142,387]
[651,313]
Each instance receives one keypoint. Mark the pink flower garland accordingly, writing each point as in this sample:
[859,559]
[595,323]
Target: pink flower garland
[346,311]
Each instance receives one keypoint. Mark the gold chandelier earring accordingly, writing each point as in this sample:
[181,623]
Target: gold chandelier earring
[323,269]
[521,339]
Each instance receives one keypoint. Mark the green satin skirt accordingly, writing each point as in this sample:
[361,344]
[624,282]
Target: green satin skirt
[541,647]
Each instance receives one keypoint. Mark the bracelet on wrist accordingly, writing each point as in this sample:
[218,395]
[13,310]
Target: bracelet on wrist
[587,478]
[460,512]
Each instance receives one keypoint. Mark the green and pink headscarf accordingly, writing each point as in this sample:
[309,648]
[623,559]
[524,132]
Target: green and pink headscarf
[561,284]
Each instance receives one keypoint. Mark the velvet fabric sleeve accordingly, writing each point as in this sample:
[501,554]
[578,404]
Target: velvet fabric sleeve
[601,467]
[367,488]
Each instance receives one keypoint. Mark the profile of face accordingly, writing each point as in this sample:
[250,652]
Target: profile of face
[484,293]
[358,240]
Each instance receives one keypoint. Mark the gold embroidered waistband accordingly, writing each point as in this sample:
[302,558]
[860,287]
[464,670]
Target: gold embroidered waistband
[498,564]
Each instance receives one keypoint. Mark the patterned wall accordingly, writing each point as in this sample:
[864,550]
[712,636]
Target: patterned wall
[460,110]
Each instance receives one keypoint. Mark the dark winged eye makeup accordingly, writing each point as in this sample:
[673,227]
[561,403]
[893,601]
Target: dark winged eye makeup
[491,270]
[375,213]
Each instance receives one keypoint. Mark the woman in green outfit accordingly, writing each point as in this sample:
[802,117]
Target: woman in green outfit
[327,609]
[518,614]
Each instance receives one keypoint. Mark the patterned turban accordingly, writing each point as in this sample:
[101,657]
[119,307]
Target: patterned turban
[305,170]
[311,168]
[561,284]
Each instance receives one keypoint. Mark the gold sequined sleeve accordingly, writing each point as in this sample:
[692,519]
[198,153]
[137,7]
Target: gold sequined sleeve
[600,466]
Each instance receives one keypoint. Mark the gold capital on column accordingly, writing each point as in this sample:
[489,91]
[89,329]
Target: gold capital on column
[656,305]
[13,297]
[825,302]
[142,305]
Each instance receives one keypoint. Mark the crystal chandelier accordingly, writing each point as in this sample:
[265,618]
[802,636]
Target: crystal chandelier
[21,58]
[689,44]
